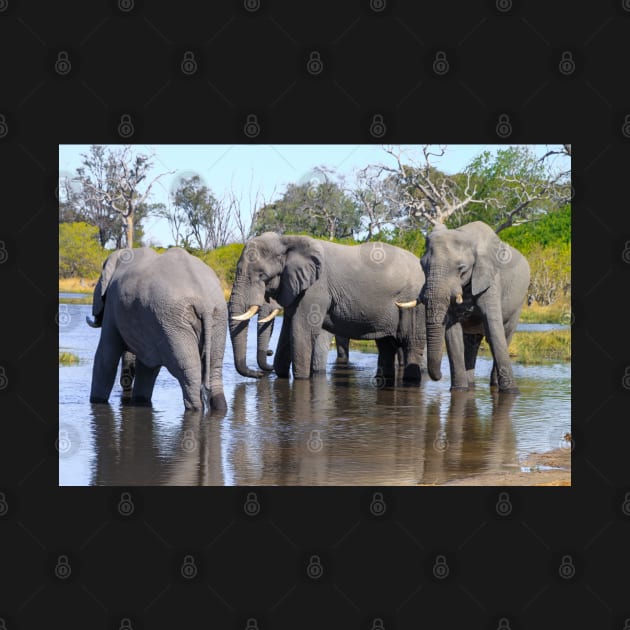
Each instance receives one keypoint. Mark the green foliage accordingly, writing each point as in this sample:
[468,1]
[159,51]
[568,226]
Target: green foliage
[411,240]
[319,208]
[546,243]
[513,180]
[80,253]
[223,261]
[549,231]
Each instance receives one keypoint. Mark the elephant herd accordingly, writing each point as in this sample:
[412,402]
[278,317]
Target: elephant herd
[169,310]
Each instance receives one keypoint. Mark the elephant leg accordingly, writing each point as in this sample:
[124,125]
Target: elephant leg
[455,350]
[386,357]
[343,353]
[471,348]
[496,336]
[217,349]
[127,373]
[282,360]
[110,349]
[184,363]
[411,359]
[494,380]
[401,357]
[321,347]
[144,383]
[303,337]
[190,381]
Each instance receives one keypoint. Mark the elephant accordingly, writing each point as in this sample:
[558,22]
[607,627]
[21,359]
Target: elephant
[159,310]
[475,286]
[265,324]
[357,292]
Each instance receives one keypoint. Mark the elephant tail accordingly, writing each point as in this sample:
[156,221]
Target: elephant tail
[206,354]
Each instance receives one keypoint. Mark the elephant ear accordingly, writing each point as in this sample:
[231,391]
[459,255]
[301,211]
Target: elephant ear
[301,269]
[98,299]
[486,264]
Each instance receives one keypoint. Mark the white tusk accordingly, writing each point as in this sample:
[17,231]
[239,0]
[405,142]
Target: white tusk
[411,304]
[251,311]
[269,317]
[458,298]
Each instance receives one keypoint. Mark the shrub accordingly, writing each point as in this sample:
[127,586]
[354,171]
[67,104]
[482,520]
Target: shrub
[551,230]
[80,253]
[223,261]
[550,273]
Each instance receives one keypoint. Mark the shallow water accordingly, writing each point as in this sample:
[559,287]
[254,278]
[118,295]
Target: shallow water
[341,428]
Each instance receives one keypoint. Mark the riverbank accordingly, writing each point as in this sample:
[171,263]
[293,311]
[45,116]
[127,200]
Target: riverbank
[77,285]
[529,347]
[557,313]
[83,288]
[551,468]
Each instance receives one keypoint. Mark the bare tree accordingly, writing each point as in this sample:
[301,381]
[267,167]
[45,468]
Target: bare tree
[176,219]
[520,187]
[115,185]
[426,193]
[565,149]
[372,195]
[221,224]
[527,192]
[207,220]
[245,207]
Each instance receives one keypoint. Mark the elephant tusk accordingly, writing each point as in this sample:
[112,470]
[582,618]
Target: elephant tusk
[458,298]
[269,317]
[251,311]
[92,323]
[411,304]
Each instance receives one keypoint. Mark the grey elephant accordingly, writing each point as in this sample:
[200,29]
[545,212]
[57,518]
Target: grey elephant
[357,292]
[475,286]
[265,324]
[159,310]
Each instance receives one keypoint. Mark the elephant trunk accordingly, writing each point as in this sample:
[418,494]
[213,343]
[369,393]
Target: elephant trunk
[435,335]
[264,331]
[437,302]
[238,334]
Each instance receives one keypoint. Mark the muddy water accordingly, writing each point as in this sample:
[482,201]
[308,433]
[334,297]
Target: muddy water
[341,428]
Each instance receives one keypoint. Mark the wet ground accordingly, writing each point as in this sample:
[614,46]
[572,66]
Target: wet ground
[341,428]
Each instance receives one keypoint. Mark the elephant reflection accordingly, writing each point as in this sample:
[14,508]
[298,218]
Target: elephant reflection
[468,442]
[139,450]
[319,431]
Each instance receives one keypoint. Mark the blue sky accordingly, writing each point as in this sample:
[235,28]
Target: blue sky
[264,168]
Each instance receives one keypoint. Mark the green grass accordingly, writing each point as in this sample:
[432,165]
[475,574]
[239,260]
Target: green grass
[67,358]
[557,313]
[363,345]
[77,285]
[526,347]
[86,299]
[537,347]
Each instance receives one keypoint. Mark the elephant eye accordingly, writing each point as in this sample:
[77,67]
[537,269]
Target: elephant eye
[462,268]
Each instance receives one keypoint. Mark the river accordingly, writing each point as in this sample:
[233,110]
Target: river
[341,428]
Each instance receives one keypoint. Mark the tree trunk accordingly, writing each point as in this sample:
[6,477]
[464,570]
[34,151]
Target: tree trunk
[129,226]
